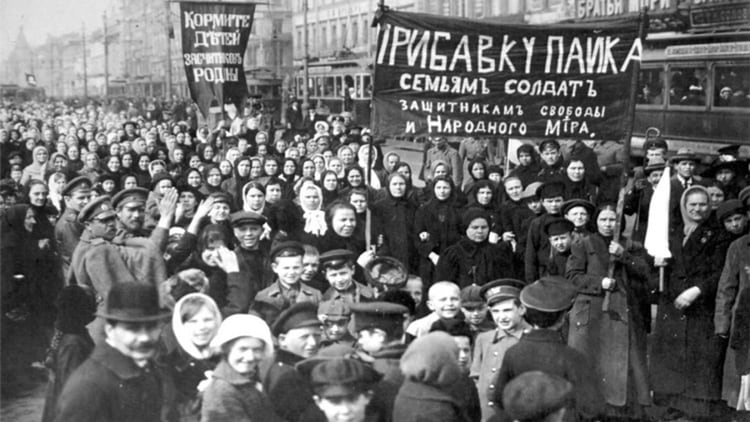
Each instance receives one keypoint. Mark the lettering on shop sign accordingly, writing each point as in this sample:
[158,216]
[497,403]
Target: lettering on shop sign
[445,75]
[214,39]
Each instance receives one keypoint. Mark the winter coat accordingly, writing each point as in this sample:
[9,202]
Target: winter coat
[687,357]
[614,341]
[468,262]
[110,387]
[290,393]
[72,351]
[442,222]
[397,218]
[231,397]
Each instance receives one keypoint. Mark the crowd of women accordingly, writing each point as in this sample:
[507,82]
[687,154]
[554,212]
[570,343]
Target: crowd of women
[323,185]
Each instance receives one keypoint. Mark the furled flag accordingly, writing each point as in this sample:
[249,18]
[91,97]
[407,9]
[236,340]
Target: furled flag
[657,232]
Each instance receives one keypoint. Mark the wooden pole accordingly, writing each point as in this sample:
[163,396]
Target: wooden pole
[624,178]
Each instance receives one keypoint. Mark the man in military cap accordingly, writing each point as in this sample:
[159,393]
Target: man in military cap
[298,332]
[131,213]
[119,381]
[546,301]
[559,231]
[489,347]
[335,316]
[247,227]
[441,151]
[729,153]
[538,397]
[287,290]
[68,229]
[552,161]
[537,245]
[337,266]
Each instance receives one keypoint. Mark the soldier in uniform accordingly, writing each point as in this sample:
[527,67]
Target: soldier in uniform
[68,229]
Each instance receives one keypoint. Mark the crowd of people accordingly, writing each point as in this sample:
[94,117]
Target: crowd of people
[156,268]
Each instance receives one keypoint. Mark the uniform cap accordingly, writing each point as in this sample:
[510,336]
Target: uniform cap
[246,217]
[127,196]
[733,149]
[549,143]
[386,316]
[335,258]
[100,208]
[288,248]
[501,289]
[80,183]
[221,198]
[549,294]
[299,315]
[550,190]
[535,394]
[334,310]
[558,226]
[655,143]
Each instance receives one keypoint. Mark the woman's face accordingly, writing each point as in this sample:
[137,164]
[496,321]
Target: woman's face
[289,168]
[271,167]
[114,149]
[59,163]
[210,255]
[308,169]
[311,146]
[440,171]
[58,185]
[347,156]
[442,190]
[397,187]
[113,164]
[195,162]
[245,354]
[108,186]
[201,327]
[162,155]
[127,161]
[214,177]
[38,195]
[143,163]
[255,198]
[575,171]
[354,178]
[281,146]
[74,153]
[310,199]
[404,171]
[178,155]
[330,183]
[208,153]
[29,221]
[514,189]
[327,155]
[164,186]
[243,168]
[484,196]
[256,169]
[91,161]
[336,166]
[262,150]
[478,230]
[578,216]
[41,155]
[359,202]
[62,148]
[130,183]
[220,211]
[225,167]
[343,222]
[715,196]
[605,222]
[188,200]
[273,193]
[320,164]
[478,171]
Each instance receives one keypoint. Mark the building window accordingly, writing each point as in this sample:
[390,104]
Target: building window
[334,35]
[344,35]
[323,38]
[355,33]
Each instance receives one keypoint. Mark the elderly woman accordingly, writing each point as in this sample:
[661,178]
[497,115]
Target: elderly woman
[39,167]
[235,393]
[687,358]
[396,212]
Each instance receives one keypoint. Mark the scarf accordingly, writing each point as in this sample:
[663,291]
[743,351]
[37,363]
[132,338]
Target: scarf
[689,225]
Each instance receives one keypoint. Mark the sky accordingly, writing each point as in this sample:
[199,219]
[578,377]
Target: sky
[41,18]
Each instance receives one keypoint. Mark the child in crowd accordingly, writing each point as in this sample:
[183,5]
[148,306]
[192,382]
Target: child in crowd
[444,300]
[286,260]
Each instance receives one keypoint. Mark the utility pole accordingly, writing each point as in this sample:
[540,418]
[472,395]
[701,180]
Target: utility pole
[85,76]
[106,57]
[51,66]
[305,69]
[168,23]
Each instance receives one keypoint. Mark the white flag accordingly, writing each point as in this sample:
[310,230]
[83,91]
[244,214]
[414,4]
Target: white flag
[513,145]
[657,232]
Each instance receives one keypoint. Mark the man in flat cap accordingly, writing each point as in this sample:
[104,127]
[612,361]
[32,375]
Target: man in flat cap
[68,230]
[559,232]
[337,266]
[684,162]
[335,315]
[546,301]
[288,289]
[247,227]
[344,388]
[489,347]
[536,396]
[119,381]
[298,332]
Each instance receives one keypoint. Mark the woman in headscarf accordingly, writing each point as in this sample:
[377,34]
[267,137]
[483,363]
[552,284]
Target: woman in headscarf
[437,225]
[576,184]
[193,178]
[687,358]
[141,170]
[313,221]
[206,152]
[614,338]
[329,183]
[211,179]
[477,171]
[415,194]
[55,186]
[233,186]
[528,164]
[289,176]
[235,392]
[195,323]
[376,177]
[39,167]
[396,212]
[91,167]
[74,159]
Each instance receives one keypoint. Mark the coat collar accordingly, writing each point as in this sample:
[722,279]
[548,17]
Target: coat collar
[426,392]
[501,334]
[115,361]
[225,372]
[542,335]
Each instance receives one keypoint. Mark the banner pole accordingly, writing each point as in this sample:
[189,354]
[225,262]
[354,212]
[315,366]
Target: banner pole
[625,178]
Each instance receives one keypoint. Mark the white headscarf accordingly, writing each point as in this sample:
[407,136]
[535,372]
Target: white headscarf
[181,333]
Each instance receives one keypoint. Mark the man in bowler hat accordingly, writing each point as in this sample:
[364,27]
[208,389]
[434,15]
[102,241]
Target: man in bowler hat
[119,381]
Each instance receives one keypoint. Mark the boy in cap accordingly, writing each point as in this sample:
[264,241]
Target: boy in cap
[444,300]
[337,266]
[559,231]
[379,328]
[536,396]
[311,269]
[335,316]
[489,347]
[552,161]
[344,388]
[286,263]
[537,245]
[474,309]
[252,260]
[68,229]
[546,302]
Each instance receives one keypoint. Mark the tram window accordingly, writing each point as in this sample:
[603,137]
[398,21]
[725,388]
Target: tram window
[687,86]
[328,89]
[651,87]
[319,86]
[731,86]
[367,86]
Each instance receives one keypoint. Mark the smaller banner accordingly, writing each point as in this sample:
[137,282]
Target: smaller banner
[214,39]
[31,79]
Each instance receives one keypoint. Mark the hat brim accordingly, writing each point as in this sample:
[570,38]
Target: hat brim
[133,317]
[500,298]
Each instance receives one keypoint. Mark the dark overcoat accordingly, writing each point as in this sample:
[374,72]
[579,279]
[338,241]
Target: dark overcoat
[468,262]
[422,402]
